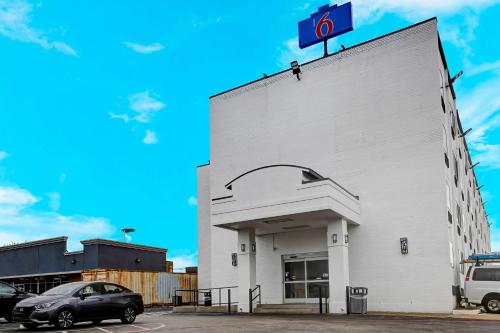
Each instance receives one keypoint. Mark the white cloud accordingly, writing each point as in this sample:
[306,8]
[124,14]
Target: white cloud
[303,7]
[192,201]
[20,221]
[370,11]
[483,68]
[15,23]
[145,105]
[290,51]
[3,155]
[123,117]
[480,110]
[54,200]
[150,138]
[15,197]
[183,260]
[145,49]
[62,177]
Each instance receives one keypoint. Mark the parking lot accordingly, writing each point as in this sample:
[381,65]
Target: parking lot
[220,323]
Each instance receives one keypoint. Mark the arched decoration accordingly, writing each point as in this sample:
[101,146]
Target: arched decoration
[309,172]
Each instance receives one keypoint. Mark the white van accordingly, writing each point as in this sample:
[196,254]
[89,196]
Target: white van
[482,287]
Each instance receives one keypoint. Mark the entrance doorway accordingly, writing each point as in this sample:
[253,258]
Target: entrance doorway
[303,276]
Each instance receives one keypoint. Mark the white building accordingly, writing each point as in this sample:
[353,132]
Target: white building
[315,181]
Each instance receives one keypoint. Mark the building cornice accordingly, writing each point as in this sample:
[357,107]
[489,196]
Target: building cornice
[34,243]
[99,241]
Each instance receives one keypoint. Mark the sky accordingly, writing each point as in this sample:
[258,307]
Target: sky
[104,104]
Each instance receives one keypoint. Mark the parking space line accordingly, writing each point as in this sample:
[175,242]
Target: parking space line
[140,327]
[102,329]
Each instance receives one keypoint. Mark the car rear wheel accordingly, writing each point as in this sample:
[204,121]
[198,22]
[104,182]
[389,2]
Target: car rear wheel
[30,326]
[492,304]
[128,316]
[65,319]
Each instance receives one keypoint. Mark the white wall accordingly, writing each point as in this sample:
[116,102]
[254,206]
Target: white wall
[370,118]
[204,229]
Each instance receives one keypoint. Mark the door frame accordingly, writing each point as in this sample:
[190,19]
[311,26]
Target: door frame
[301,257]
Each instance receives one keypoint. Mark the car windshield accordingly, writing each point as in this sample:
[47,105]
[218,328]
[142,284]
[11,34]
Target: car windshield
[64,289]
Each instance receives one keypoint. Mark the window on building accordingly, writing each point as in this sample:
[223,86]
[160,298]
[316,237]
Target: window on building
[459,220]
[448,196]
[462,264]
[453,128]
[442,105]
[452,258]
[455,164]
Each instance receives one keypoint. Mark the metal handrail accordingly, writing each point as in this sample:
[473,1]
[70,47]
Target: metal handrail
[196,293]
[252,298]
[321,289]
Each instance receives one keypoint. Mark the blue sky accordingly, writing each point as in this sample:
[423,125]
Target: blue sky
[104,104]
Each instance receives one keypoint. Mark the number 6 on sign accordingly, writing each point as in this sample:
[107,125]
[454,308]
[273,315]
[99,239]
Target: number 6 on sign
[327,22]
[324,21]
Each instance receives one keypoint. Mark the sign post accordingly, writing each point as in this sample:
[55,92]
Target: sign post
[326,23]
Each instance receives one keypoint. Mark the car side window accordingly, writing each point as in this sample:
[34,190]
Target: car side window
[486,274]
[6,289]
[112,289]
[92,289]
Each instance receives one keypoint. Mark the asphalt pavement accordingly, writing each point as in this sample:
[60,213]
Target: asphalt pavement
[165,321]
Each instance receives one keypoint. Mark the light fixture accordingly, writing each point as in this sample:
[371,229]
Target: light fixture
[346,238]
[334,238]
[73,261]
[459,74]
[234,259]
[253,247]
[474,165]
[404,245]
[242,247]
[295,68]
[465,133]
[138,261]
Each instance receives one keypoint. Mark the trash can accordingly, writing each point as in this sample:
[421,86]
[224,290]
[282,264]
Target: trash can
[177,300]
[208,299]
[358,300]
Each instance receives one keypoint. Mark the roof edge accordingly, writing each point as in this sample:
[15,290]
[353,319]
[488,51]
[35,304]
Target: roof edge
[100,241]
[34,243]
[330,55]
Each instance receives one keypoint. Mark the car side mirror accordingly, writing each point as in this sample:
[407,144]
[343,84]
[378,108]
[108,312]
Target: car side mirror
[85,295]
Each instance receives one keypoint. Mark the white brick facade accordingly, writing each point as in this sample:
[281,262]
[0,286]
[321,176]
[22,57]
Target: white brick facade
[370,119]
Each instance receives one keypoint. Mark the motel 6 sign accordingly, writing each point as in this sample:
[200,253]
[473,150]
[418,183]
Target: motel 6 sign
[327,22]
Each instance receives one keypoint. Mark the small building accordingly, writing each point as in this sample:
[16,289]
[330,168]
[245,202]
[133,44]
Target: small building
[40,265]
[354,172]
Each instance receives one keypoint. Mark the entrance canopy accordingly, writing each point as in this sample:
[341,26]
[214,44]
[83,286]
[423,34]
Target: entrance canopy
[280,198]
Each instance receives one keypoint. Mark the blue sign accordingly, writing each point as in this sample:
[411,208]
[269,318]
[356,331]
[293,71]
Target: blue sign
[328,22]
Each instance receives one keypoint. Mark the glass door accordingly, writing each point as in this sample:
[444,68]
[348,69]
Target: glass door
[303,278]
